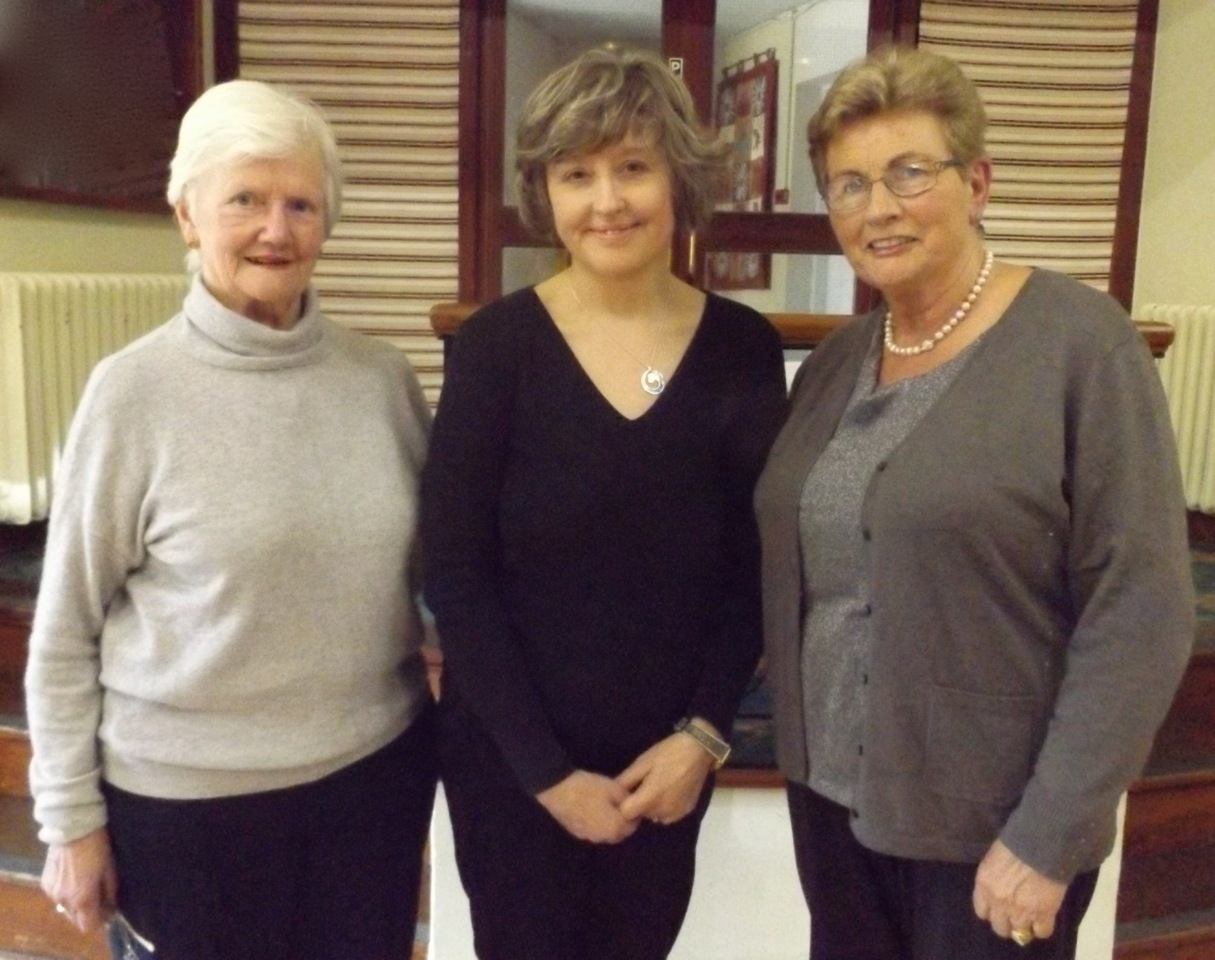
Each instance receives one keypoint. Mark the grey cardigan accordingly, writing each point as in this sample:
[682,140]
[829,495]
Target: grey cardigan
[1032,600]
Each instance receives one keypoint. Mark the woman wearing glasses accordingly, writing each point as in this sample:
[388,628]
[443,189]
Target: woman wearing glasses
[977,596]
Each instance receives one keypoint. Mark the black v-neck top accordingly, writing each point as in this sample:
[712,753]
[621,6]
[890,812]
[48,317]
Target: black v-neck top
[593,577]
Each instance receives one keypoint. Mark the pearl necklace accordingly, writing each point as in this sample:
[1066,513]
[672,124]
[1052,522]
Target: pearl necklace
[947,327]
[652,380]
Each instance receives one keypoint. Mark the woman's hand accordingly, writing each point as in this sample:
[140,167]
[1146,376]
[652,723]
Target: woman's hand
[79,878]
[1012,895]
[587,805]
[664,783]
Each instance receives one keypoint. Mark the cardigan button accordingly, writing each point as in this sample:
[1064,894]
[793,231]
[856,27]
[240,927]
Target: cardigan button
[866,535]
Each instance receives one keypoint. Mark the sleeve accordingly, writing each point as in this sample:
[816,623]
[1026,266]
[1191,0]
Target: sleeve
[93,541]
[461,490]
[1132,592]
[418,420]
[756,415]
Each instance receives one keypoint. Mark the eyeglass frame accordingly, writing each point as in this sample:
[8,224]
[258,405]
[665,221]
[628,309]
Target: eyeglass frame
[862,200]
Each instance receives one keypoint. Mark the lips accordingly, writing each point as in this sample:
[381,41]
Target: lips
[889,244]
[614,231]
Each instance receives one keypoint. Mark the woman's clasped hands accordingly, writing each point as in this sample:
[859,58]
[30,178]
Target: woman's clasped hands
[662,786]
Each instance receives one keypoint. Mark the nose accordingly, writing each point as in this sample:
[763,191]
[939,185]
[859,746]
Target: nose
[882,202]
[276,228]
[608,197]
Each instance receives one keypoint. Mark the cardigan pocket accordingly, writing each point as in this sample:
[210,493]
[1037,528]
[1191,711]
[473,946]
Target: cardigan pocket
[979,745]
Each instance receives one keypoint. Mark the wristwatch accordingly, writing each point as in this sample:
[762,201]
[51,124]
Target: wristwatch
[717,747]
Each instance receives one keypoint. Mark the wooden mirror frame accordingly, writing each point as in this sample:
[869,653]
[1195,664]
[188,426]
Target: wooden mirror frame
[488,225]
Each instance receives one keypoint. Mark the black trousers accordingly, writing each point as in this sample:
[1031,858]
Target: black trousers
[536,892]
[870,906]
[328,870]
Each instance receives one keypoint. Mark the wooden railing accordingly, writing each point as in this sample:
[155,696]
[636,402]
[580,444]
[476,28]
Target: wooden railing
[797,330]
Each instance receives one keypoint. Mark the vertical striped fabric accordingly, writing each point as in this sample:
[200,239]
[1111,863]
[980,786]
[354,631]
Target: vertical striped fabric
[1055,77]
[386,73]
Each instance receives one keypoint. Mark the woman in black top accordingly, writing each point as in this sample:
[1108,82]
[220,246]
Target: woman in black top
[591,554]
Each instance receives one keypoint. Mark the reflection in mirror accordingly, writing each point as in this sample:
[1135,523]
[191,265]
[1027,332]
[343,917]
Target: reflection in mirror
[783,283]
[88,100]
[810,43]
[527,266]
[541,35]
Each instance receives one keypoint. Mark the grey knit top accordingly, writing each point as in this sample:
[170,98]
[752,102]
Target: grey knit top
[838,628]
[226,604]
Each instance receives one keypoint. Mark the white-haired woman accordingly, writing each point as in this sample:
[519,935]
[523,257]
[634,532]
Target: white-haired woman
[233,752]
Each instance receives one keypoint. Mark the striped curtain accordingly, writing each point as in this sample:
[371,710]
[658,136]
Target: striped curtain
[1055,77]
[386,73]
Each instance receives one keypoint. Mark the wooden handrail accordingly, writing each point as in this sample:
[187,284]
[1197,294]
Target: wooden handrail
[797,330]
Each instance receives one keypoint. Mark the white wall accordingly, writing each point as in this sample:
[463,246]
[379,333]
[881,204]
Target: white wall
[63,238]
[1176,254]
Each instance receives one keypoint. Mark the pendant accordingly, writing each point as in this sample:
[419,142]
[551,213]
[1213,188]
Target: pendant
[653,382]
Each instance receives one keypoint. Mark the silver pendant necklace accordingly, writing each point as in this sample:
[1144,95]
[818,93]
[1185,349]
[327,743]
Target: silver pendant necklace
[652,380]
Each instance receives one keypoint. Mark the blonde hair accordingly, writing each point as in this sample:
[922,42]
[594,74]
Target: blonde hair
[599,99]
[242,120]
[900,78]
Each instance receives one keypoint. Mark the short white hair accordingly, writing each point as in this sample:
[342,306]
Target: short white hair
[242,120]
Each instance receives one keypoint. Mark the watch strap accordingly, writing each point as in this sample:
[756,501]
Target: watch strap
[717,748]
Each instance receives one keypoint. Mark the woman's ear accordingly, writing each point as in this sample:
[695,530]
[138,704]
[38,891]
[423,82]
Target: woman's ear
[979,182]
[185,224]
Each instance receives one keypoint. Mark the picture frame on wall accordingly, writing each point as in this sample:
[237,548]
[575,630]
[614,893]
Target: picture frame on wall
[745,116]
[91,96]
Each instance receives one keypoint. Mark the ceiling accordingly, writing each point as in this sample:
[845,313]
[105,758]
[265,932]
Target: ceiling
[637,20]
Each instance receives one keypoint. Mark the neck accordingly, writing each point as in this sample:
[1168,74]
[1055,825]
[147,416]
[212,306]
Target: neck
[920,310]
[636,298]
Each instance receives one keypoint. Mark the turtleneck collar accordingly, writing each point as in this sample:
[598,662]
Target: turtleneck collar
[225,338]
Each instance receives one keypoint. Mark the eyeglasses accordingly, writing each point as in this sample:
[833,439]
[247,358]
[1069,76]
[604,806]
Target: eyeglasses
[850,192]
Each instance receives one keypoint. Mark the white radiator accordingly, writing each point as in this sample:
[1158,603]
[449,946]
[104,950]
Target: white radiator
[1188,372]
[53,330]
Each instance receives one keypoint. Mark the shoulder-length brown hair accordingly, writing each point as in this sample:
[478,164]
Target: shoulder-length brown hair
[599,99]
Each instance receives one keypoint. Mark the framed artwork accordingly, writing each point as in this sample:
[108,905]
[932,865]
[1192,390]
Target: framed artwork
[746,118]
[91,94]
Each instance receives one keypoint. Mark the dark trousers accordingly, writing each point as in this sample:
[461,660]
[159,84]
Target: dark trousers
[537,893]
[328,870]
[870,906]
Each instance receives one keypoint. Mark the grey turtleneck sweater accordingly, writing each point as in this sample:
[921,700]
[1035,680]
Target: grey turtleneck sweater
[226,603]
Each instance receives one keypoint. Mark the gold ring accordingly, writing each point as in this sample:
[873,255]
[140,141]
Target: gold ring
[1023,936]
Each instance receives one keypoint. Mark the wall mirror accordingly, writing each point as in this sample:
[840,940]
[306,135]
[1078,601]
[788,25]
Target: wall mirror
[91,93]
[757,69]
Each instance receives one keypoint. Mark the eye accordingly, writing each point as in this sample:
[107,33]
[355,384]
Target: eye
[636,166]
[910,174]
[243,199]
[847,186]
[301,205]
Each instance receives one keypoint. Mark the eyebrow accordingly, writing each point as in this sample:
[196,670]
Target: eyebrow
[896,161]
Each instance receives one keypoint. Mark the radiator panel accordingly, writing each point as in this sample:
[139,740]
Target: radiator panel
[53,330]
[1188,373]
